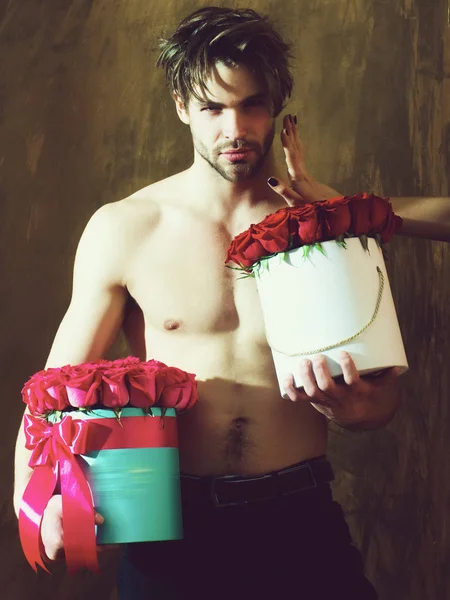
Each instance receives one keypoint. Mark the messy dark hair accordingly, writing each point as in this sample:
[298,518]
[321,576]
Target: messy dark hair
[233,37]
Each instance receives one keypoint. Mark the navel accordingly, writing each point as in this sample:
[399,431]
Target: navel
[171,324]
[239,423]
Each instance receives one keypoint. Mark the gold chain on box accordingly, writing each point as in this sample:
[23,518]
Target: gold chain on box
[347,340]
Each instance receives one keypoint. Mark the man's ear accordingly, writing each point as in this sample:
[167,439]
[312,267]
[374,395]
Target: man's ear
[181,109]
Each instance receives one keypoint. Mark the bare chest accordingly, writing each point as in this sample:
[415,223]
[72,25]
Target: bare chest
[179,279]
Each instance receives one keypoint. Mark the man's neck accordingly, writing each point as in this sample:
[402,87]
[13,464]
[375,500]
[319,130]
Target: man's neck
[224,198]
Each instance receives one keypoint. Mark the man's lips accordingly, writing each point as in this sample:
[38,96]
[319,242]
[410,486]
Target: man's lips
[237,154]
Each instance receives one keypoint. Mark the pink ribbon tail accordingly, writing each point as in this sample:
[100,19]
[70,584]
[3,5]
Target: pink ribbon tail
[35,498]
[78,517]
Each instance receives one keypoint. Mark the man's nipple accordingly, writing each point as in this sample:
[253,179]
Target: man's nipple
[171,324]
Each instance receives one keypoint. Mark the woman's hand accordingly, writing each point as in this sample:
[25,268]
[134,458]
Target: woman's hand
[303,188]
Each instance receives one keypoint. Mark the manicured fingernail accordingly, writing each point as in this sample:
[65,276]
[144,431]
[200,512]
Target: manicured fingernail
[295,119]
[272,181]
[290,118]
[285,131]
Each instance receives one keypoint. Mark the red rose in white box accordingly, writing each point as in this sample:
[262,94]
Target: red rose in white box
[323,285]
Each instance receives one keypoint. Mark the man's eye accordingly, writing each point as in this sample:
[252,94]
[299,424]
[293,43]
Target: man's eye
[210,108]
[253,103]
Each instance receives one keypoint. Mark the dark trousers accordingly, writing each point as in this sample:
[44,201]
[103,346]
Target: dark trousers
[297,546]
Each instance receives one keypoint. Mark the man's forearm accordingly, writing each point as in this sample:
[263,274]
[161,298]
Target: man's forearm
[369,425]
[22,472]
[382,410]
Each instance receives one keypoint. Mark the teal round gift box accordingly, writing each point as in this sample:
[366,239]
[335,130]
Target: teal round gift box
[136,489]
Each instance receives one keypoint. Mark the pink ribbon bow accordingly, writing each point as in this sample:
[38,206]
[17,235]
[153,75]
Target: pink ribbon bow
[53,457]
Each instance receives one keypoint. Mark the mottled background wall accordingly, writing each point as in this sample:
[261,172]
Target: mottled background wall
[85,119]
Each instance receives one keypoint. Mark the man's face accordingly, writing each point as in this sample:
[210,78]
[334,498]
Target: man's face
[232,128]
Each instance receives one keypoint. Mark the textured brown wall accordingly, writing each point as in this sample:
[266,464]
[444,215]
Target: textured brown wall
[85,119]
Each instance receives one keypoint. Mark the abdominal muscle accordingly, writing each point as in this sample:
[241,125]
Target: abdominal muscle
[241,424]
[267,433]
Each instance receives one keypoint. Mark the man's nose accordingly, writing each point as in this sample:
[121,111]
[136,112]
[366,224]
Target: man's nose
[235,126]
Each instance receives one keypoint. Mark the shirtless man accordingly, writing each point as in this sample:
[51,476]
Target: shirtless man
[154,264]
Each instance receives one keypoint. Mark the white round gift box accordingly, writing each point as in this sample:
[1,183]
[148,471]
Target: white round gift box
[327,302]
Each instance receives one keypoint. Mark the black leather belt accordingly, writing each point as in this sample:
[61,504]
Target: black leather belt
[229,490]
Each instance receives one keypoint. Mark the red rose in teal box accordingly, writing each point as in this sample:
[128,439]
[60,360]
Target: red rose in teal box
[105,433]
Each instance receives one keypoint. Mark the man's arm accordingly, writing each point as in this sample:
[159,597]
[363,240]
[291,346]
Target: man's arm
[94,316]
[384,403]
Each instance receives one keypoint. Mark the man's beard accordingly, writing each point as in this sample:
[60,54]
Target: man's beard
[241,170]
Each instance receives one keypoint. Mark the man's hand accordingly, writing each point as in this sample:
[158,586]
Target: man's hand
[52,530]
[354,402]
[302,187]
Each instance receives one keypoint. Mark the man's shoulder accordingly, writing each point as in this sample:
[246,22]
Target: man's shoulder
[147,202]
[137,214]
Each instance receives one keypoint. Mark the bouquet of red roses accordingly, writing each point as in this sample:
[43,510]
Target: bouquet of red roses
[90,427]
[309,225]
[110,384]
[344,285]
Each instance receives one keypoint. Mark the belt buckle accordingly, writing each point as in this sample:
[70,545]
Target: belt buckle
[313,477]
[215,498]
[306,466]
